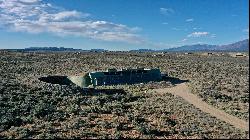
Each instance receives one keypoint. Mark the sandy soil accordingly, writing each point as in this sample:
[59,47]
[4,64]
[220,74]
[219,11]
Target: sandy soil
[183,91]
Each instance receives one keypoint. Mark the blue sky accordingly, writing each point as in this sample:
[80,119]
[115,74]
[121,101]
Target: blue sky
[122,24]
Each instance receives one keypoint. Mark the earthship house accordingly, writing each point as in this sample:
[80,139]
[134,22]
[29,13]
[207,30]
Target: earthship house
[114,77]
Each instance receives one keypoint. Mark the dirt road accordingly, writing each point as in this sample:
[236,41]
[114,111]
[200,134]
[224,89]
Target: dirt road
[183,91]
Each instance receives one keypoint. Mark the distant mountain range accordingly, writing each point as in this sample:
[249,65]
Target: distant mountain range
[50,49]
[143,50]
[56,49]
[240,46]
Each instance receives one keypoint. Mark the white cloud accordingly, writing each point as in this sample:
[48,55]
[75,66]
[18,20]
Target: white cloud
[184,40]
[165,23]
[114,36]
[213,36]
[166,11]
[199,42]
[246,30]
[36,16]
[67,14]
[197,28]
[198,34]
[29,1]
[190,20]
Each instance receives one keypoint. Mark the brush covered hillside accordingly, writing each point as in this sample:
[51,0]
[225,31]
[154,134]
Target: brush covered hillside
[31,108]
[239,46]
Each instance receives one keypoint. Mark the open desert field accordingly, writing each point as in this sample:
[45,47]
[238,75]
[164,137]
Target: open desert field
[30,108]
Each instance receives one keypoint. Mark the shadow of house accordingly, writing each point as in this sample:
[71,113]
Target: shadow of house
[174,80]
[93,91]
[61,80]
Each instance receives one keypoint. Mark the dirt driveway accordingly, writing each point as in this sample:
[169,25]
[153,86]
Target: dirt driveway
[183,91]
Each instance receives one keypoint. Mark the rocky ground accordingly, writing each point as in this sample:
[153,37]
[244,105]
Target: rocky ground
[30,108]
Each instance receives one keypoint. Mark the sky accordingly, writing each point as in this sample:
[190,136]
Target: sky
[121,24]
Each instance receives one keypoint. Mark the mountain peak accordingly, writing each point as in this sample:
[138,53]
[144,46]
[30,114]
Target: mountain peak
[237,46]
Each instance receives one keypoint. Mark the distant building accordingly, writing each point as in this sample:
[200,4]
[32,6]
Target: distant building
[209,53]
[188,53]
[114,77]
[238,55]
